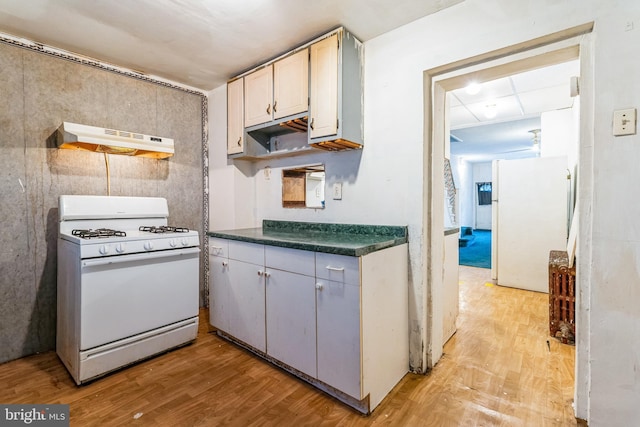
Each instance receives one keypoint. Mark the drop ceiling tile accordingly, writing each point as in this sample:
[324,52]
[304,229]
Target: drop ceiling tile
[489,90]
[554,75]
[459,116]
[506,108]
[547,99]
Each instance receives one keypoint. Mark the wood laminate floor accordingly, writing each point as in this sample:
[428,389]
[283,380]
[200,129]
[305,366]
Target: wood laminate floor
[498,369]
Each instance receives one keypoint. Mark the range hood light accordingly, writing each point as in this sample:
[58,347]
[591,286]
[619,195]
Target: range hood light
[110,149]
[109,141]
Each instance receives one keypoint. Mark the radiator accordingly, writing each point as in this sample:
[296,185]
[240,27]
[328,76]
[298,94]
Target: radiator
[562,298]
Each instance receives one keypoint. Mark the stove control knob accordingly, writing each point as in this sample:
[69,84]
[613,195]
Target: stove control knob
[104,249]
[184,242]
[173,243]
[120,248]
[148,246]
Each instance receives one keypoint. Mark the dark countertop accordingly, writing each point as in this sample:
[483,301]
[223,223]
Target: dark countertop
[341,239]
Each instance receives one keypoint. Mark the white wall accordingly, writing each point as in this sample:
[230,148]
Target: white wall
[232,195]
[383,183]
[615,257]
[559,136]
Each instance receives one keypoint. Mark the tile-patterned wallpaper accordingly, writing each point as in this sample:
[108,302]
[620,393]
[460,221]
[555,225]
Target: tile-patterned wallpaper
[39,91]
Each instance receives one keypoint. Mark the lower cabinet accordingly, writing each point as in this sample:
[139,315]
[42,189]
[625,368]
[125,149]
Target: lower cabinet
[245,304]
[338,328]
[219,283]
[291,307]
[219,292]
[237,294]
[291,320]
[341,321]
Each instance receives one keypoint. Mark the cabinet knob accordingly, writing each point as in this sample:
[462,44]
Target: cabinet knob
[267,274]
[225,263]
[311,123]
[269,109]
[319,286]
[239,141]
[260,272]
[275,109]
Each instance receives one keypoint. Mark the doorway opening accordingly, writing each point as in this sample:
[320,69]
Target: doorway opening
[503,120]
[549,50]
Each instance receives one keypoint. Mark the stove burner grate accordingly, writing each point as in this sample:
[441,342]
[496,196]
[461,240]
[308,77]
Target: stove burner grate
[99,232]
[163,229]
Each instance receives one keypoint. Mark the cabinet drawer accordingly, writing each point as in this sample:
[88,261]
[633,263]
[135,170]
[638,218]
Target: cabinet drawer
[218,247]
[248,252]
[339,268]
[293,260]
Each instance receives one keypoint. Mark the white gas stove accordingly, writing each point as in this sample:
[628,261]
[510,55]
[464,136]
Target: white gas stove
[128,284]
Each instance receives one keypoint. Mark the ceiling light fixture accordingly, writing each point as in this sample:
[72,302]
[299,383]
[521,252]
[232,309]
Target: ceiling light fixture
[490,111]
[473,88]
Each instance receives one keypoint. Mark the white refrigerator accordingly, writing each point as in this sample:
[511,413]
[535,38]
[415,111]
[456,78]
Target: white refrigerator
[529,201]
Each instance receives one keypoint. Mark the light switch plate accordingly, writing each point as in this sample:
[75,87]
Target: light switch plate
[624,122]
[337,191]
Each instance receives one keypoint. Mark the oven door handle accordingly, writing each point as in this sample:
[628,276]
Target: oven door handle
[138,257]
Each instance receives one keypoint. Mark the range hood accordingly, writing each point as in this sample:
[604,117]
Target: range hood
[111,141]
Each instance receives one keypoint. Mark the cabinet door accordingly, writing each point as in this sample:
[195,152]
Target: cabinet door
[291,319]
[245,305]
[323,111]
[258,94]
[338,329]
[235,117]
[219,293]
[291,85]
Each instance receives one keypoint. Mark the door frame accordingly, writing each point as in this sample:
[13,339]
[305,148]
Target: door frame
[571,43]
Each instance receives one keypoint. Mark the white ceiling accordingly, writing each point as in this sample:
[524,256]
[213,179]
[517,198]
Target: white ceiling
[203,43]
[519,100]
[199,43]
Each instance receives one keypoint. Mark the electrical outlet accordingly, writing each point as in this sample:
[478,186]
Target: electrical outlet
[337,191]
[624,122]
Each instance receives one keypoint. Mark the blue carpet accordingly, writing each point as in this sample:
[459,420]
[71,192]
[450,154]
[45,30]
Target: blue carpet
[478,254]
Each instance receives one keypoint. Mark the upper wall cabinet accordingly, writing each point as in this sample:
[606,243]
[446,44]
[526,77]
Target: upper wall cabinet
[335,113]
[315,89]
[235,122]
[278,90]
[258,96]
[324,87]
[291,85]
